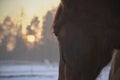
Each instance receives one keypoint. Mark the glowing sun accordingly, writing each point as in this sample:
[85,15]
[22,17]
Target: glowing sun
[30,38]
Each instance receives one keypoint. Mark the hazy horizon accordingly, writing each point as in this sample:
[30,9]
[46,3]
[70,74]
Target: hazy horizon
[25,30]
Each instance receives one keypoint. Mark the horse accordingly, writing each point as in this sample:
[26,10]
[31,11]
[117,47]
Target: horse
[115,66]
[88,32]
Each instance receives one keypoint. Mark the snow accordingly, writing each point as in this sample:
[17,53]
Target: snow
[29,72]
[37,72]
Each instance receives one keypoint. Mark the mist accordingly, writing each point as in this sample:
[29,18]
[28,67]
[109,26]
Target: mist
[15,47]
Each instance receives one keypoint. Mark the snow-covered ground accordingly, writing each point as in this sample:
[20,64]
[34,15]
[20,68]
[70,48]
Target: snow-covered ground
[29,72]
[37,72]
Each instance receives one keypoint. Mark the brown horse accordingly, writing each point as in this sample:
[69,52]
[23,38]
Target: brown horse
[115,67]
[88,31]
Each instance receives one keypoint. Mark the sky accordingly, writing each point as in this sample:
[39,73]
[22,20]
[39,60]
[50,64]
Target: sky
[25,12]
[30,8]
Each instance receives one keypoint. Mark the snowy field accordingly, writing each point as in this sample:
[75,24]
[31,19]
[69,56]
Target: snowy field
[29,72]
[37,72]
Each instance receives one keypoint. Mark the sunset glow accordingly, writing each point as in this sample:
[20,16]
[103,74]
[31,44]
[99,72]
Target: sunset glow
[22,11]
[30,7]
[24,18]
[30,38]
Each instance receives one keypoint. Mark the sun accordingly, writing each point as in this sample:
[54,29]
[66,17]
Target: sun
[30,38]
[21,13]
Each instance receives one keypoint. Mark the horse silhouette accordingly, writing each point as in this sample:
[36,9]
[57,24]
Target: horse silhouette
[88,31]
